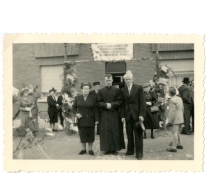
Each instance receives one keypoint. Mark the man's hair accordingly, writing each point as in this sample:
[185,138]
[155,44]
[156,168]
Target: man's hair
[108,76]
[172,91]
[128,75]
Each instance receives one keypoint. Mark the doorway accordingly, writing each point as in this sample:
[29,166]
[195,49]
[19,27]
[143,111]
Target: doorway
[117,69]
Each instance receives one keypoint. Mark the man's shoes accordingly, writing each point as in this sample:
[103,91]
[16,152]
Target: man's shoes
[152,137]
[82,152]
[107,152]
[91,153]
[139,158]
[179,147]
[188,133]
[129,154]
[171,150]
[114,152]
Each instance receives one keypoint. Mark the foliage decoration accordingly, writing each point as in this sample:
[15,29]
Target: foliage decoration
[69,91]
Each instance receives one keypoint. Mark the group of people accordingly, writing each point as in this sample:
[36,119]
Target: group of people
[110,108]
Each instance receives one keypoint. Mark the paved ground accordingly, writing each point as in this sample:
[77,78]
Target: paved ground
[66,147]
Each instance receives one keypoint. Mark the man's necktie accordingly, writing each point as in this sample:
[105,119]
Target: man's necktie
[129,89]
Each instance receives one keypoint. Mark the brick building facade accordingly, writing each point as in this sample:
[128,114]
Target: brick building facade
[42,64]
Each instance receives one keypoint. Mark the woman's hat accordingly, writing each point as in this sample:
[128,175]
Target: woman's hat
[86,84]
[96,83]
[146,85]
[186,80]
[52,90]
[24,90]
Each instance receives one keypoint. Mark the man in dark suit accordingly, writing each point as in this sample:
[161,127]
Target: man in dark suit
[59,101]
[133,112]
[191,88]
[96,88]
[52,108]
[94,92]
[184,93]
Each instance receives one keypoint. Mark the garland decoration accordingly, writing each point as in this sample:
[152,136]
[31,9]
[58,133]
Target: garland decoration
[161,76]
[69,91]
[160,87]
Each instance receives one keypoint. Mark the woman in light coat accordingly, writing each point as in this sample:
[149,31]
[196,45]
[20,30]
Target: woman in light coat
[175,119]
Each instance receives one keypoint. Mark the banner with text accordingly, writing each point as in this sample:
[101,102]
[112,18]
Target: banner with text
[112,52]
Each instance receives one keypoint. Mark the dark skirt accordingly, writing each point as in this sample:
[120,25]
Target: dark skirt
[86,134]
[151,120]
[53,117]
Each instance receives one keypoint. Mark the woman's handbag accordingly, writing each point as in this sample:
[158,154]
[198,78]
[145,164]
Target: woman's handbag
[154,109]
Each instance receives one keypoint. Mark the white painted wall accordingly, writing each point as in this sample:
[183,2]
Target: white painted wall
[182,68]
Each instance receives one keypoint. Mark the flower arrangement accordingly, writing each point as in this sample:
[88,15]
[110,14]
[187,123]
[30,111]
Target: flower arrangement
[159,85]
[161,76]
[69,91]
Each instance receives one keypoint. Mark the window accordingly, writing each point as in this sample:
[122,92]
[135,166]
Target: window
[51,76]
[176,81]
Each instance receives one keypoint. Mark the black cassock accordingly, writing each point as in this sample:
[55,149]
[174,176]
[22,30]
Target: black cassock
[111,126]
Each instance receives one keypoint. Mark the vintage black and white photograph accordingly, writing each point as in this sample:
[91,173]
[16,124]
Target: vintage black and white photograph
[103,101]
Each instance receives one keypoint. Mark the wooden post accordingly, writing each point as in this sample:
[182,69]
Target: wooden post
[65,52]
[157,55]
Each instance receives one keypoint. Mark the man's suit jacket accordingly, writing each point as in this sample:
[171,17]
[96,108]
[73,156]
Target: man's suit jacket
[192,95]
[93,92]
[59,101]
[88,109]
[52,104]
[185,95]
[133,104]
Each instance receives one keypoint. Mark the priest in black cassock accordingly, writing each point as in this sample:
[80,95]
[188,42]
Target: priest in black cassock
[94,92]
[111,127]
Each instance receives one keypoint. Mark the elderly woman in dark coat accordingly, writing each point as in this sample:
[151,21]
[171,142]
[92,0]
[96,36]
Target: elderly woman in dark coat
[151,120]
[86,110]
[52,108]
